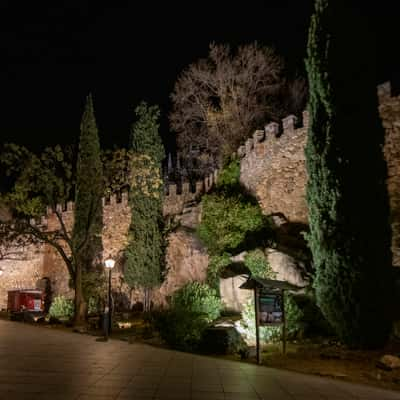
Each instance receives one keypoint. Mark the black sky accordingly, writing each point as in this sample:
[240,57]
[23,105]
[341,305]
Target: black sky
[54,53]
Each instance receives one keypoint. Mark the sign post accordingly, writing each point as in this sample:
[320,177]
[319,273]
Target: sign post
[257,314]
[269,304]
[271,311]
[283,323]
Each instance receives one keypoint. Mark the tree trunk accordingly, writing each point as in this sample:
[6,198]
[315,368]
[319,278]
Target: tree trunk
[146,299]
[80,303]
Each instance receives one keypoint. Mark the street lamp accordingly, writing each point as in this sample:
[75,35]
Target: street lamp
[109,263]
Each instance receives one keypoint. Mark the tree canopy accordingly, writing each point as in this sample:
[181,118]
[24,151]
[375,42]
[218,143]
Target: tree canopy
[145,250]
[219,101]
[346,192]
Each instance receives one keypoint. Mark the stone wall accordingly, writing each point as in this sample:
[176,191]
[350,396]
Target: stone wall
[390,113]
[29,265]
[273,167]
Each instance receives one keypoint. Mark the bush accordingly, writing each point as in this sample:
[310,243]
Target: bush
[222,340]
[258,264]
[215,266]
[304,318]
[94,306]
[197,298]
[180,330]
[62,308]
[229,177]
[193,308]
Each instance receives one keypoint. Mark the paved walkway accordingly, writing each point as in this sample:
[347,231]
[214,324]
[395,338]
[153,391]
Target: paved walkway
[38,363]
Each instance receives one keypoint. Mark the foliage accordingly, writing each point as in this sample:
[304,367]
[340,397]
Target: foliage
[258,264]
[215,266]
[145,138]
[229,223]
[192,309]
[62,308]
[220,100]
[198,298]
[88,215]
[30,183]
[145,250]
[36,181]
[94,305]
[116,169]
[222,340]
[33,182]
[346,192]
[229,176]
[304,318]
[180,330]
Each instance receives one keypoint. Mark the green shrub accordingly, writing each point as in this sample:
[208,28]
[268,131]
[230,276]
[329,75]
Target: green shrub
[94,305]
[304,318]
[192,309]
[229,175]
[215,266]
[197,298]
[222,340]
[62,308]
[258,264]
[180,330]
[230,223]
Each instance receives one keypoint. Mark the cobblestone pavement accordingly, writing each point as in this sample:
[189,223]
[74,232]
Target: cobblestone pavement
[39,363]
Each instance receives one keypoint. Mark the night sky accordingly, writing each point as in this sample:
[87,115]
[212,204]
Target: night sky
[55,53]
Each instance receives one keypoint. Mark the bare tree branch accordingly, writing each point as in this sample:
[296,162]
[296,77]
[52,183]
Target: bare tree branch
[219,101]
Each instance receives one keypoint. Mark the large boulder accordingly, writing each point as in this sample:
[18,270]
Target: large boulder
[233,298]
[287,268]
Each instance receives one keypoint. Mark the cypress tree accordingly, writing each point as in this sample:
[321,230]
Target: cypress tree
[144,253]
[346,191]
[88,215]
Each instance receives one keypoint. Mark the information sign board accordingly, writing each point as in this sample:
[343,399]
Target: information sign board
[270,308]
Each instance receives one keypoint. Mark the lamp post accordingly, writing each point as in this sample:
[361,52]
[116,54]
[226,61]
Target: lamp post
[109,264]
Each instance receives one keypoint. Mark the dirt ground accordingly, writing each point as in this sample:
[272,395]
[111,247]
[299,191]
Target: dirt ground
[333,361]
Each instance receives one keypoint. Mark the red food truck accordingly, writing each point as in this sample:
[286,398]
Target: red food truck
[22,301]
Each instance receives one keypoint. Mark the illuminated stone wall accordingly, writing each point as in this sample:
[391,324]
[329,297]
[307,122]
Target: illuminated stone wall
[272,169]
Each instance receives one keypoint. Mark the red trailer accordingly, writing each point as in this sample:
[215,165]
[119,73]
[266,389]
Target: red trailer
[23,301]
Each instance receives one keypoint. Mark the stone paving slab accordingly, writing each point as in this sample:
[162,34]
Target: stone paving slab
[42,364]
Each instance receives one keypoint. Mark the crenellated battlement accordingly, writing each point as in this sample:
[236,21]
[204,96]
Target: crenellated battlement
[273,134]
[272,168]
[272,165]
[175,198]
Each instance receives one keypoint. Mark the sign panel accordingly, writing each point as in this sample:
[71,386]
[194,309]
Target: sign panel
[271,310]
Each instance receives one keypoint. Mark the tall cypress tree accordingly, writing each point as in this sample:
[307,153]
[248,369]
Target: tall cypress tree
[346,192]
[144,253]
[88,215]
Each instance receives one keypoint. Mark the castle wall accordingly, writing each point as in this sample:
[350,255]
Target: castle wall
[272,169]
[31,264]
[389,110]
